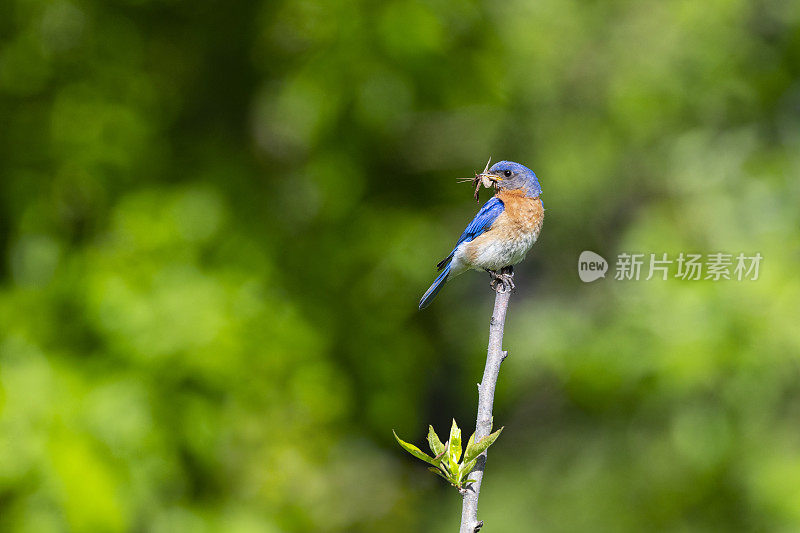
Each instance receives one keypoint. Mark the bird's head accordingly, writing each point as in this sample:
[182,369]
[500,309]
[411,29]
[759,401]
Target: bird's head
[510,175]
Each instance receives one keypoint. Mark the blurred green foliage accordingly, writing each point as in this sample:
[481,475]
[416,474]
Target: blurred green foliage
[216,220]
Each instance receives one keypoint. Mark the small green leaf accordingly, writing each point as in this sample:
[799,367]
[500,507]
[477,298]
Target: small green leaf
[439,473]
[436,445]
[454,450]
[479,447]
[470,443]
[413,450]
[439,460]
[466,467]
[444,465]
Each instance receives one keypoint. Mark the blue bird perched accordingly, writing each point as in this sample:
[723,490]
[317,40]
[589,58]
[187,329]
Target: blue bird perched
[501,233]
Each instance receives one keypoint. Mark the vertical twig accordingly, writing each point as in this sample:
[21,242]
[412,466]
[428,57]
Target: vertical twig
[483,426]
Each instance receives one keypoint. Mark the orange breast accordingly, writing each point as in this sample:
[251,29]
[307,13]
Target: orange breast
[525,215]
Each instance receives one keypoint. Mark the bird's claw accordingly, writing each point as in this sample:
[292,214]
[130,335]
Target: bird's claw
[504,281]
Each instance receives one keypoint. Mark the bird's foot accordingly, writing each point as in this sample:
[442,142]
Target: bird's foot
[504,281]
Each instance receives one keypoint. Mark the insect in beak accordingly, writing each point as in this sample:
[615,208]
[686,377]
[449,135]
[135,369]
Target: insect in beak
[484,179]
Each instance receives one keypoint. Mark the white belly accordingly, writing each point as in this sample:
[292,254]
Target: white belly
[493,254]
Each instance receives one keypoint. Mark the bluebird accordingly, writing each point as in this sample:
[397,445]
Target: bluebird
[501,233]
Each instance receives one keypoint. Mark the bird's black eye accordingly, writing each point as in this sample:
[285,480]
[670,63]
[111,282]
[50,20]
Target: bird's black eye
[507,173]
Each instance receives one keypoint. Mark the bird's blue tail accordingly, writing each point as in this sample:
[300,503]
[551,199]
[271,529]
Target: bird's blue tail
[434,289]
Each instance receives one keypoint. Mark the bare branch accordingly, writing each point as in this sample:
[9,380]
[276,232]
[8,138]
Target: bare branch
[483,426]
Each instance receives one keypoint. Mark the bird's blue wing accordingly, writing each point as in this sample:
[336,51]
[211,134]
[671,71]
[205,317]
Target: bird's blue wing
[482,222]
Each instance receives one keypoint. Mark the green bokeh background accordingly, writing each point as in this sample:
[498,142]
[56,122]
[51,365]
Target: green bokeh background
[217,218]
